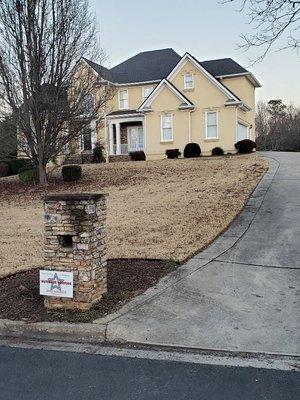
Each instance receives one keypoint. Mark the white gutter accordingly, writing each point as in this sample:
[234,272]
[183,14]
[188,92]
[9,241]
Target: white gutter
[238,103]
[138,83]
[249,75]
[125,115]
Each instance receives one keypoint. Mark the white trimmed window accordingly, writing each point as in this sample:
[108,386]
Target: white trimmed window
[123,99]
[188,81]
[212,125]
[147,90]
[166,127]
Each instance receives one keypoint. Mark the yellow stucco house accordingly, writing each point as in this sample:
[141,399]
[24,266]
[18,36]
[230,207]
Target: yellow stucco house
[164,101]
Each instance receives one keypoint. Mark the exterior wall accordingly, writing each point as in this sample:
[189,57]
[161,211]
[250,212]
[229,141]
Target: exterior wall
[135,96]
[206,97]
[135,99]
[191,126]
[246,92]
[165,103]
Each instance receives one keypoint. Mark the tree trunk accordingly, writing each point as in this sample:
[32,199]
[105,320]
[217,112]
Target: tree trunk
[42,174]
[41,166]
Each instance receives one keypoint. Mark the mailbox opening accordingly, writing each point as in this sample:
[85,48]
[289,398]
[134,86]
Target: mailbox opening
[66,241]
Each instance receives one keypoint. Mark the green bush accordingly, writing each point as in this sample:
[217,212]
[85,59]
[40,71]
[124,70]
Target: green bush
[245,146]
[28,175]
[4,169]
[71,173]
[15,164]
[137,156]
[98,155]
[217,151]
[192,150]
[173,153]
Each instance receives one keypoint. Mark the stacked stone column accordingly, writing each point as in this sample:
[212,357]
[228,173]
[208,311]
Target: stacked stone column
[75,241]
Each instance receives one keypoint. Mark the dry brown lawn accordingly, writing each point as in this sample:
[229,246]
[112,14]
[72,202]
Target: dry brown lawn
[156,209]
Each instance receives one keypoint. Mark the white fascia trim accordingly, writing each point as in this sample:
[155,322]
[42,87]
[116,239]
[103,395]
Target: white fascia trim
[210,77]
[186,107]
[248,74]
[156,92]
[138,83]
[240,104]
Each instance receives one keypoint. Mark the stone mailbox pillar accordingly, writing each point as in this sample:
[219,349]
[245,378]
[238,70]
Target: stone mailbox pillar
[75,241]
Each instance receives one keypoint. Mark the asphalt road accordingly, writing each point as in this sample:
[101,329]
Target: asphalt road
[27,374]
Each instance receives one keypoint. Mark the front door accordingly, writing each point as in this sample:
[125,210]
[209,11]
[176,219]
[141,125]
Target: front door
[135,138]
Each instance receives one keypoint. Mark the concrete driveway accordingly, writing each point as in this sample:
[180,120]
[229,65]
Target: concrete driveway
[241,293]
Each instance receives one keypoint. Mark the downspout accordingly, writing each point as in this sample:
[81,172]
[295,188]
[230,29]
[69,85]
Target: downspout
[145,134]
[236,122]
[106,139]
[190,125]
[190,136]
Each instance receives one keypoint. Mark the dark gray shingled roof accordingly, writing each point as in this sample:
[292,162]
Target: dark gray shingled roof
[223,66]
[102,71]
[157,64]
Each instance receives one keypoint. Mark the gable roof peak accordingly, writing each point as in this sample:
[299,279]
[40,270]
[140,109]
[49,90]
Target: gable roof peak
[165,82]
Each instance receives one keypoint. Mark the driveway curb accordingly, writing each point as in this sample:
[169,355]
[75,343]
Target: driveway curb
[97,332]
[58,331]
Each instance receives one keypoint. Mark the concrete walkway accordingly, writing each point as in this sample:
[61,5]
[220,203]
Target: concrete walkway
[240,294]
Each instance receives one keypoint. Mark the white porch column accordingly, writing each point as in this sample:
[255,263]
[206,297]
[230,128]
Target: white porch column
[118,137]
[111,138]
[93,133]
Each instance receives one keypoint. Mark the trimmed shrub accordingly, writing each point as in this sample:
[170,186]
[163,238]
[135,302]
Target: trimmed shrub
[98,155]
[137,156]
[71,173]
[245,146]
[15,164]
[173,153]
[192,150]
[4,169]
[28,175]
[217,151]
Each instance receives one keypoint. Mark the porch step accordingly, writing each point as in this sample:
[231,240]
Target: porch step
[120,158]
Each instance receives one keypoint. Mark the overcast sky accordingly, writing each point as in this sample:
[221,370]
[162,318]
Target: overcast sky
[205,28]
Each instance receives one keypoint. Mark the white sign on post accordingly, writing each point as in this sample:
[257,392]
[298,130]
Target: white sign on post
[56,283]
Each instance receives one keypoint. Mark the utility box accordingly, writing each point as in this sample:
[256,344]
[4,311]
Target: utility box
[75,242]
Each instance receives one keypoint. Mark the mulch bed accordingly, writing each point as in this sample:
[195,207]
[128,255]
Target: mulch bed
[20,299]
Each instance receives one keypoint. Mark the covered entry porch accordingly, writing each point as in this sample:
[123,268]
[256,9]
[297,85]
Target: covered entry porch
[125,133]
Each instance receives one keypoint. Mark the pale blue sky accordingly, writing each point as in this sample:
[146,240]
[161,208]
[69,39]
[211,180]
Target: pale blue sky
[207,29]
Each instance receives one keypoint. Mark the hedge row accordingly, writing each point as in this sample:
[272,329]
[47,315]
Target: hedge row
[14,165]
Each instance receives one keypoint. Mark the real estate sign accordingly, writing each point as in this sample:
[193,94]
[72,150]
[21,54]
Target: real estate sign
[56,283]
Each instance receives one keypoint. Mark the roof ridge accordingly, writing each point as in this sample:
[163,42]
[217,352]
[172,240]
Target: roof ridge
[144,52]
[219,59]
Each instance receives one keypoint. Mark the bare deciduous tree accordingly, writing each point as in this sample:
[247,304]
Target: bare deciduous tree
[41,45]
[277,126]
[271,19]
